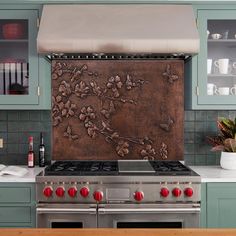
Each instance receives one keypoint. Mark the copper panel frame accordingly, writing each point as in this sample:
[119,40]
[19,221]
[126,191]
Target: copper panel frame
[117,109]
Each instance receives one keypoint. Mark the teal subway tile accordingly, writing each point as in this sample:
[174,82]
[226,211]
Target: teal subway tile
[3,126]
[211,127]
[3,135]
[200,126]
[188,149]
[188,137]
[23,149]
[200,159]
[200,148]
[13,126]
[199,137]
[34,115]
[189,126]
[211,159]
[218,158]
[12,148]
[13,138]
[45,116]
[189,159]
[212,115]
[4,149]
[24,115]
[3,115]
[201,115]
[189,115]
[223,114]
[12,115]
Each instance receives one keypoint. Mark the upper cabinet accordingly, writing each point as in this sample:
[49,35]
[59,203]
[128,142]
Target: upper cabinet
[213,70]
[20,84]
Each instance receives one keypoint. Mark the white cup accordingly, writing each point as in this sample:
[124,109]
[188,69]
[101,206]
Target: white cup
[211,89]
[233,90]
[223,65]
[223,90]
[209,66]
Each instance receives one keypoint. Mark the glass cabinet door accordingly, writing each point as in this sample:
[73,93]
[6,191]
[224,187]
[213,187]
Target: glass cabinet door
[217,57]
[18,57]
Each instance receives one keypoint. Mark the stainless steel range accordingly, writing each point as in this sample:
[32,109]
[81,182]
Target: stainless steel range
[118,194]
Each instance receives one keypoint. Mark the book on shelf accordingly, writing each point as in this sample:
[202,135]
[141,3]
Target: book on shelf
[13,170]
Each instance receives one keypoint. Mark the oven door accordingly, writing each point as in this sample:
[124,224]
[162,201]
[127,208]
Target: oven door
[149,216]
[66,216]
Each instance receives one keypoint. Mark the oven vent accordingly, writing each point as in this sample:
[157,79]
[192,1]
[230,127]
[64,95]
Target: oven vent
[116,56]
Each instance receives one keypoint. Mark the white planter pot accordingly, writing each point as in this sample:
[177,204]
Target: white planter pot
[228,160]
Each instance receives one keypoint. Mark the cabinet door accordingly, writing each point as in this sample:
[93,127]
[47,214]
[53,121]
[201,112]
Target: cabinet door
[216,75]
[221,205]
[18,58]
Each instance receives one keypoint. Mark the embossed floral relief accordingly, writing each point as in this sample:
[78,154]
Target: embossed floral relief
[94,104]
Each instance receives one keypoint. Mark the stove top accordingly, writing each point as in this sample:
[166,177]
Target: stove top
[121,167]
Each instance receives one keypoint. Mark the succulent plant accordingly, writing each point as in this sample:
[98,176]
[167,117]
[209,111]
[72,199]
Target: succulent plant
[226,139]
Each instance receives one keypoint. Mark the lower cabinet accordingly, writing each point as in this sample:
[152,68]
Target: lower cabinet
[17,205]
[218,206]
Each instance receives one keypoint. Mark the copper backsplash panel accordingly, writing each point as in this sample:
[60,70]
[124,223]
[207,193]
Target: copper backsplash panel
[117,109]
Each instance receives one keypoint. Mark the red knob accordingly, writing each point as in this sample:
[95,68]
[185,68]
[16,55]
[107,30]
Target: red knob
[188,192]
[47,192]
[60,191]
[98,195]
[176,192]
[84,192]
[164,192]
[138,196]
[72,191]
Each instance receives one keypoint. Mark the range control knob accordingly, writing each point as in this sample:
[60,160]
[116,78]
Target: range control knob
[72,191]
[176,192]
[188,192]
[138,196]
[98,195]
[47,192]
[84,192]
[60,191]
[164,192]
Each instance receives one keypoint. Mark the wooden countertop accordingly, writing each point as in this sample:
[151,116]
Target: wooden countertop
[117,232]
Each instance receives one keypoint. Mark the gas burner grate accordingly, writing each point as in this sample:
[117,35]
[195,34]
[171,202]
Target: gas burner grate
[170,168]
[68,168]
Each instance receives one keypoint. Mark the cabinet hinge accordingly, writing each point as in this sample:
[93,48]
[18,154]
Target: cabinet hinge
[38,22]
[197,22]
[38,91]
[197,91]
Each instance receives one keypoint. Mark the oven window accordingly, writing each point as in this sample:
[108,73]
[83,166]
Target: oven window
[149,225]
[66,225]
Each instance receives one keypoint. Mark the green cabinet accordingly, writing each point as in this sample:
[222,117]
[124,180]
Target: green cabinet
[221,205]
[211,75]
[24,75]
[218,205]
[17,205]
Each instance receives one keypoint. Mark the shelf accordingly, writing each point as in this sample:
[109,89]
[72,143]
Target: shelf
[222,40]
[14,41]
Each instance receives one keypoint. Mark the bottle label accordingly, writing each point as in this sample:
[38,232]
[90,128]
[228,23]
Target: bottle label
[31,159]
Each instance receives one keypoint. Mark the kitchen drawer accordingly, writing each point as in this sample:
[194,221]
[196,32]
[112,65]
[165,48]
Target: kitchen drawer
[15,195]
[15,214]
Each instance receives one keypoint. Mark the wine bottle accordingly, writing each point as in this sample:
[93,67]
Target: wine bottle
[41,151]
[31,156]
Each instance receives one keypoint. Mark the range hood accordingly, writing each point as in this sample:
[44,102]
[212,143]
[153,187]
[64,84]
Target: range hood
[133,28]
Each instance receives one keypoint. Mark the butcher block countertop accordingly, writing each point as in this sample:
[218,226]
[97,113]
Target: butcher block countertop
[118,232]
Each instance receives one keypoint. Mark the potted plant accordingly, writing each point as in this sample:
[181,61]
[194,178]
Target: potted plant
[225,142]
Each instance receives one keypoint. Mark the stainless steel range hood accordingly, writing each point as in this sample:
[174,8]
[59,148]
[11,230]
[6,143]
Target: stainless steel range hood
[164,29]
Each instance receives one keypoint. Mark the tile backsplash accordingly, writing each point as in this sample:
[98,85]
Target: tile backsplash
[15,129]
[17,126]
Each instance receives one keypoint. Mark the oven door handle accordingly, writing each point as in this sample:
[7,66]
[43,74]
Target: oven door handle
[65,210]
[147,210]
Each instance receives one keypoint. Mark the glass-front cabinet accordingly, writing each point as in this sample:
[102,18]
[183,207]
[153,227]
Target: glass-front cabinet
[216,61]
[19,75]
